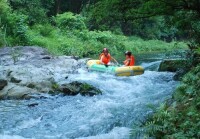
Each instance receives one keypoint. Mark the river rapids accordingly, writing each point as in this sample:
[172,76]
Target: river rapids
[108,116]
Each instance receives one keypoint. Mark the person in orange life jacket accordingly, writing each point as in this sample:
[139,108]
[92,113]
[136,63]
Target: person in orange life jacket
[130,60]
[105,57]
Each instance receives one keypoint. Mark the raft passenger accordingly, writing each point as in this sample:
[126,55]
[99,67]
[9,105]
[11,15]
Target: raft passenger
[130,60]
[105,57]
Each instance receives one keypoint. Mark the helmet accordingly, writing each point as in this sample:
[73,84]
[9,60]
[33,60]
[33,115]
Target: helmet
[128,53]
[105,50]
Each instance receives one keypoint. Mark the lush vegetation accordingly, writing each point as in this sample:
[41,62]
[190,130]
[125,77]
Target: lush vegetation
[39,23]
[86,43]
[84,27]
[179,117]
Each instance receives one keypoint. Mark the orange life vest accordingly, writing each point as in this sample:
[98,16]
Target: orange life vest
[105,59]
[130,60]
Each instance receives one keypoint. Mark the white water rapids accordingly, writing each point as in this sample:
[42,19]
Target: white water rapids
[108,116]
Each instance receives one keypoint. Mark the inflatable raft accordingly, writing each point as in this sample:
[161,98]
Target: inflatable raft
[95,65]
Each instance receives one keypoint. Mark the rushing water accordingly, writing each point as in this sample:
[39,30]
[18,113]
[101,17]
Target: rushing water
[108,116]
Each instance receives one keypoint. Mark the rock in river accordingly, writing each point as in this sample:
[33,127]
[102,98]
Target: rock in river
[3,83]
[180,66]
[75,88]
[172,65]
[28,71]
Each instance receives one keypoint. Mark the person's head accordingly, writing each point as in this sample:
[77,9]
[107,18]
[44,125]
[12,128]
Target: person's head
[105,51]
[128,54]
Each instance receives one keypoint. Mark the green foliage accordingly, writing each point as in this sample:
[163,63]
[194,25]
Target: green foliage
[183,14]
[4,13]
[20,32]
[87,43]
[69,21]
[13,27]
[36,10]
[3,41]
[45,30]
[118,15]
[55,86]
[181,118]
[69,34]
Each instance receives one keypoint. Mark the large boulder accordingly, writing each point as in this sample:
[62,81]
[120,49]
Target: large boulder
[13,91]
[28,70]
[172,65]
[75,88]
[3,83]
[181,67]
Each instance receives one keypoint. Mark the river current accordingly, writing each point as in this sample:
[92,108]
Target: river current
[108,116]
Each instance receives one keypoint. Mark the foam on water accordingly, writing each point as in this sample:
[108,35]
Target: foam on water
[11,137]
[116,133]
[108,116]
[30,123]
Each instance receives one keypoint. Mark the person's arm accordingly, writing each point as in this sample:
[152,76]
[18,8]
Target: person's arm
[127,62]
[101,60]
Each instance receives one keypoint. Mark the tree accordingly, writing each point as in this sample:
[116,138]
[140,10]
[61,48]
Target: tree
[118,14]
[74,6]
[36,10]
[185,15]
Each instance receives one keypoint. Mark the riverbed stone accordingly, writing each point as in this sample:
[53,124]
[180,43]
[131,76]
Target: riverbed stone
[15,80]
[34,70]
[13,91]
[3,83]
[172,65]
[76,88]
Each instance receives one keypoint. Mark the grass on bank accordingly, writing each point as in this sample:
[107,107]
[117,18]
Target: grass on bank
[86,43]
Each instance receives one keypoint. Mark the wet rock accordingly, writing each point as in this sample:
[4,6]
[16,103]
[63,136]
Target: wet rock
[15,80]
[75,88]
[32,105]
[180,73]
[32,70]
[9,73]
[16,92]
[3,83]
[31,85]
[172,65]
[46,57]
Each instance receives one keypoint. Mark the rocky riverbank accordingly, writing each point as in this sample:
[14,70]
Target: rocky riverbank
[27,72]
[180,66]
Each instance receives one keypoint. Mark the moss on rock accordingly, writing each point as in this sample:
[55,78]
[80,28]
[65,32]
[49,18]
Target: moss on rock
[75,88]
[172,65]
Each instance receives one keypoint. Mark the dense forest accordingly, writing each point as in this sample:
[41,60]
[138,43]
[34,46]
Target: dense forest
[84,27]
[68,27]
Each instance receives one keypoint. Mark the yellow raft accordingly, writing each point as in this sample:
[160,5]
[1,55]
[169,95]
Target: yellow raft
[95,65]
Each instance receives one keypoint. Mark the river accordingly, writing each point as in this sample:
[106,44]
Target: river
[108,116]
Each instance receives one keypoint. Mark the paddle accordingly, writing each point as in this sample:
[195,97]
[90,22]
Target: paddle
[115,64]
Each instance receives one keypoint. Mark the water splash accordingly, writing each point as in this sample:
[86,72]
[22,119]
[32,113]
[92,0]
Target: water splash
[111,115]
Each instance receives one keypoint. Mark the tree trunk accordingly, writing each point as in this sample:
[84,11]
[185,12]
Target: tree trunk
[58,2]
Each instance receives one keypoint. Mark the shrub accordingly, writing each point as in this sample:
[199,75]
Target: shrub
[45,30]
[90,43]
[20,32]
[69,21]
[5,11]
[35,10]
